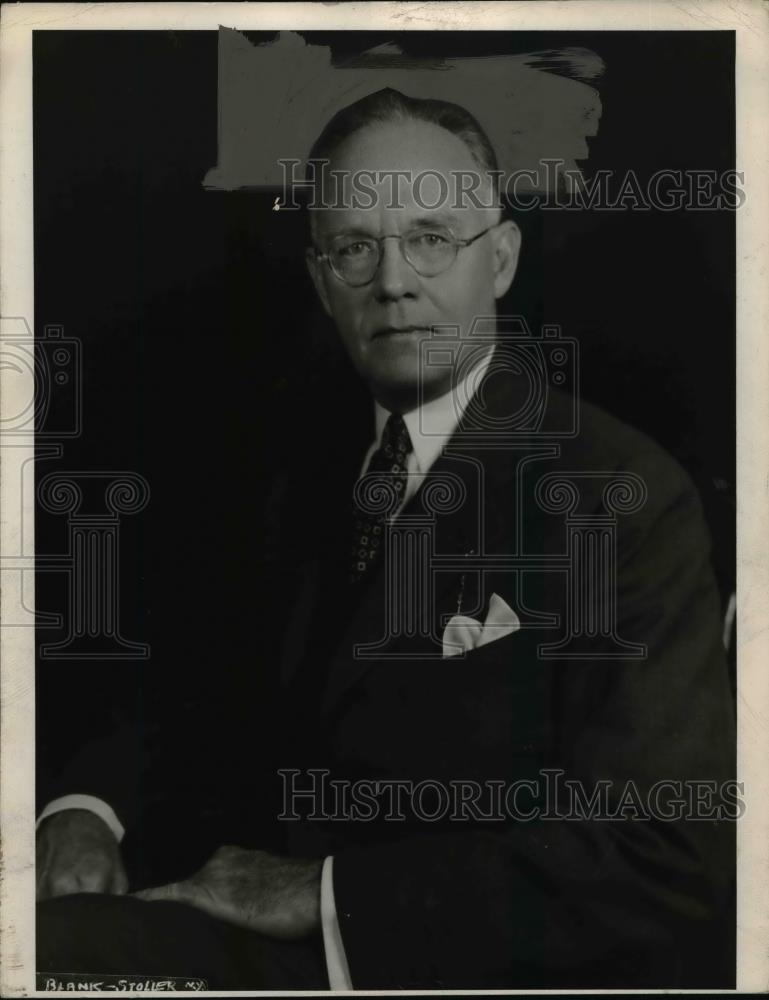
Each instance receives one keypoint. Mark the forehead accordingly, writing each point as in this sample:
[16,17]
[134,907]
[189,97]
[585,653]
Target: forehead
[405,144]
[400,173]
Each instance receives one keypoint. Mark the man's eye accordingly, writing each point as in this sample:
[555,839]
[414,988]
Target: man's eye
[429,240]
[358,248]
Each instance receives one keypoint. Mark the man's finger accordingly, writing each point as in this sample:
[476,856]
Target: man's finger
[62,884]
[92,881]
[119,883]
[178,891]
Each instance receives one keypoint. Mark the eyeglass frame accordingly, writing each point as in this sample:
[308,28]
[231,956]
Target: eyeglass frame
[456,242]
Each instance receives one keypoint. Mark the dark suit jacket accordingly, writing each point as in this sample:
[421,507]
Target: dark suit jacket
[544,902]
[504,903]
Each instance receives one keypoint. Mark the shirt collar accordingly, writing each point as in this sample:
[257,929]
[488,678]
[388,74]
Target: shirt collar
[431,425]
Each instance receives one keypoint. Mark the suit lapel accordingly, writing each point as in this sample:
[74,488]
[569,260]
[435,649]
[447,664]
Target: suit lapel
[480,524]
[368,624]
[325,523]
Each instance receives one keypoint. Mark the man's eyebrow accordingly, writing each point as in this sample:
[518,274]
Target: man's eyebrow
[353,230]
[435,219]
[421,222]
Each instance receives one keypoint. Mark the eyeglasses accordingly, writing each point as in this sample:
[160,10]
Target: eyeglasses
[430,251]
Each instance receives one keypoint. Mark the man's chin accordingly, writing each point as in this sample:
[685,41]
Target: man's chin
[403,390]
[395,369]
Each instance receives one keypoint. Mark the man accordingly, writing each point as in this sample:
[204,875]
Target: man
[449,633]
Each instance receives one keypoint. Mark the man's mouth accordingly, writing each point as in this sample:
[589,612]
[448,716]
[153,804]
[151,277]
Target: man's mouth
[389,331]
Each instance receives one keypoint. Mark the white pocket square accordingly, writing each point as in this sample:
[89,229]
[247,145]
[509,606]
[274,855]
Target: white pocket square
[463,634]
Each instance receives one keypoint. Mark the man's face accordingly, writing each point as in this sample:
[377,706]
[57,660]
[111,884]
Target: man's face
[383,322]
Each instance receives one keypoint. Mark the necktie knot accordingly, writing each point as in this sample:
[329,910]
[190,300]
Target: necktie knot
[395,445]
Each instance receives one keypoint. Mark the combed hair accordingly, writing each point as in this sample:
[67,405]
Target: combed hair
[390,105]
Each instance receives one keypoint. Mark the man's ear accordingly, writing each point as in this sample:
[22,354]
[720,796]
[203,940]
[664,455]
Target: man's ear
[315,267]
[507,248]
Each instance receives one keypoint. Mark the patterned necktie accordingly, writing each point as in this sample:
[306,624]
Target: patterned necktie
[386,472]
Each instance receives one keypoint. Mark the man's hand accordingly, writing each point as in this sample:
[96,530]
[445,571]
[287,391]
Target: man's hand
[77,852]
[279,897]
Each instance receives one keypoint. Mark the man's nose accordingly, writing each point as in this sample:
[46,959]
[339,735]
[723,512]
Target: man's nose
[395,277]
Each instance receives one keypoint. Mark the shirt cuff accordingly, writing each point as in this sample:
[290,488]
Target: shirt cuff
[92,804]
[336,959]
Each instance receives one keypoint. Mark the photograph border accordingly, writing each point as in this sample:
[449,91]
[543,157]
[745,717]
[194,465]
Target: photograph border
[749,19]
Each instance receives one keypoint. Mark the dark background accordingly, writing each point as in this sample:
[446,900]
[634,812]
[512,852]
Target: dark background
[207,365]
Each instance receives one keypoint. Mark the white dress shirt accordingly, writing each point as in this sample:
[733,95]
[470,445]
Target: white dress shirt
[430,427]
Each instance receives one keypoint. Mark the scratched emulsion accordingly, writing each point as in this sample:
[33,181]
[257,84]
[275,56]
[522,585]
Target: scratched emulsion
[275,97]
